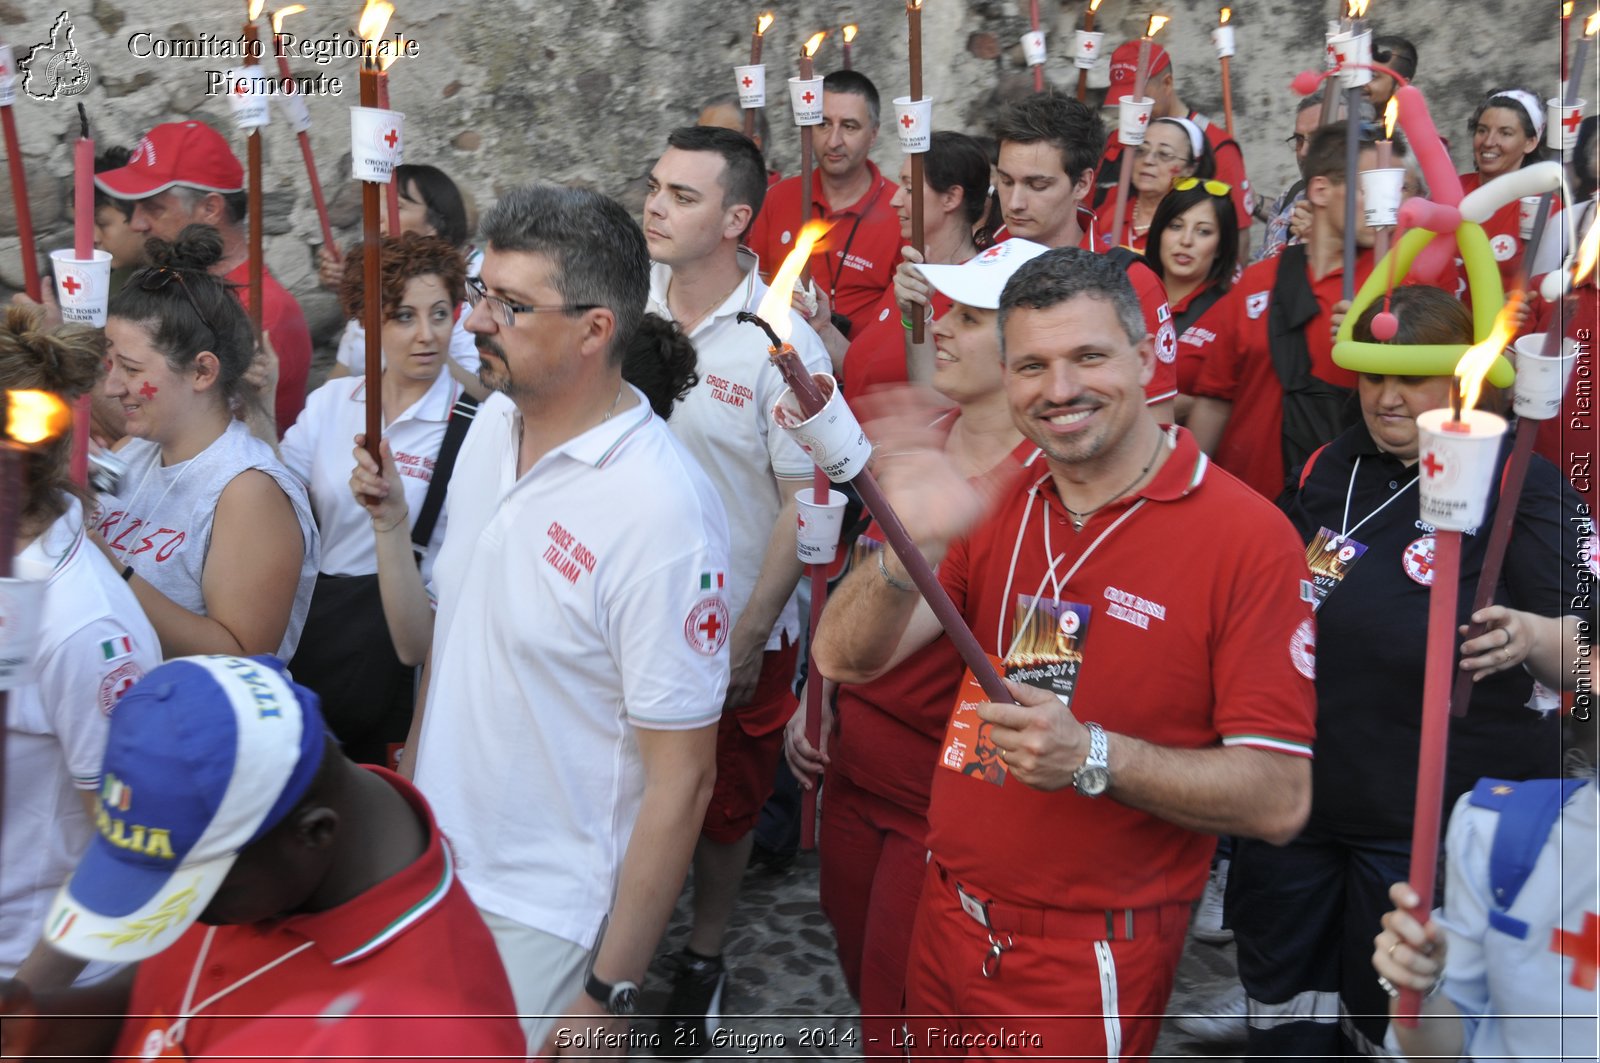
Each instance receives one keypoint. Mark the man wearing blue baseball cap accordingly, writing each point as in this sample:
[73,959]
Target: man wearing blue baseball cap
[241,859]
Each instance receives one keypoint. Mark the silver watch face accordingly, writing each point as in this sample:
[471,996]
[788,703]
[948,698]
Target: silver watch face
[624,999]
[1091,780]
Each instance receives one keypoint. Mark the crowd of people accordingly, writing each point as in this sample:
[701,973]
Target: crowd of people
[442,727]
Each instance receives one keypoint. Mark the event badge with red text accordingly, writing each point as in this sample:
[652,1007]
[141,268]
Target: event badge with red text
[1046,652]
[153,1042]
[1330,558]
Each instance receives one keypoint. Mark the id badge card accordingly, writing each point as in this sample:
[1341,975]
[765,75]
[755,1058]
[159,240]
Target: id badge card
[968,749]
[1047,645]
[1330,557]
[152,1042]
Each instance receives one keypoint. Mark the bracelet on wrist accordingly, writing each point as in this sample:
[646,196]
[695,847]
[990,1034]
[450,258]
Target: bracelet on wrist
[127,573]
[397,522]
[883,570]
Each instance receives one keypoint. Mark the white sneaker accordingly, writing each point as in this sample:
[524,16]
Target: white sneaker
[1207,925]
[1219,1020]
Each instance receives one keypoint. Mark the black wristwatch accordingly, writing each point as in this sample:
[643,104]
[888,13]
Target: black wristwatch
[619,999]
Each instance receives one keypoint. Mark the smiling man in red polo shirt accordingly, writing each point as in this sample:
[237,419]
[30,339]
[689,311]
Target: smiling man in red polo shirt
[184,172]
[1265,403]
[241,860]
[1158,87]
[1127,583]
[856,261]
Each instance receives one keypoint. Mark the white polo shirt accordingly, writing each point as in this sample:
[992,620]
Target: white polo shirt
[317,449]
[726,423]
[94,644]
[575,603]
[352,353]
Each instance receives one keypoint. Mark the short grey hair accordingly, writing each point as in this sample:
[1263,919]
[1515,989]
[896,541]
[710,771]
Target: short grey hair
[1066,273]
[597,248]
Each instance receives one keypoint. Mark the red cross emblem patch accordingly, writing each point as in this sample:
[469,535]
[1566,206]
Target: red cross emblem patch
[707,625]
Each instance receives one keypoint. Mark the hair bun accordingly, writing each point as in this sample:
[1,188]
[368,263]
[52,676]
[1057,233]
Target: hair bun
[65,360]
[197,249]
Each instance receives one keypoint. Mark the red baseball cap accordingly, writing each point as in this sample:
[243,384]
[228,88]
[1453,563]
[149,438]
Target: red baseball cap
[1125,64]
[191,154]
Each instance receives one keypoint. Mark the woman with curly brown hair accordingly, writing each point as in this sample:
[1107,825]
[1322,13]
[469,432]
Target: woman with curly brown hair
[94,643]
[210,530]
[350,657]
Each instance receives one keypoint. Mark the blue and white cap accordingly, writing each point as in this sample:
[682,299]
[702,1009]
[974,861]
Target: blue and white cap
[204,756]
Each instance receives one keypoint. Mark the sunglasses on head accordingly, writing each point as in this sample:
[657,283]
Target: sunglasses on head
[156,278]
[1216,188]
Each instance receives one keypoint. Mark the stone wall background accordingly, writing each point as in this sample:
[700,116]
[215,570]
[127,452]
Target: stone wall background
[584,91]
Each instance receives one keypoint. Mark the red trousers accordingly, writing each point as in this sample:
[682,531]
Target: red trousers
[873,862]
[1060,996]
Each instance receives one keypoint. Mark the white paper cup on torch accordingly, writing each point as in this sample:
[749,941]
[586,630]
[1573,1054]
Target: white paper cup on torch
[8,76]
[1086,48]
[1380,195]
[21,604]
[1222,37]
[1133,118]
[913,121]
[83,287]
[1527,214]
[1457,466]
[833,438]
[1561,123]
[377,143]
[1541,381]
[1034,49]
[1353,57]
[805,100]
[816,540]
[249,102]
[751,83]
[293,104]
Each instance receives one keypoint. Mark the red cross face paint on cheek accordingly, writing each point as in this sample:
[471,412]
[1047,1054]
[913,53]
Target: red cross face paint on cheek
[148,390]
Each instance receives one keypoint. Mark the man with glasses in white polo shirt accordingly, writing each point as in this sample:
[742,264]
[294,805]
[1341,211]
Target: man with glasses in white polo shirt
[567,726]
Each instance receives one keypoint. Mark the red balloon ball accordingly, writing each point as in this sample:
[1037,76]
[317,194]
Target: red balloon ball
[1306,82]
[1384,326]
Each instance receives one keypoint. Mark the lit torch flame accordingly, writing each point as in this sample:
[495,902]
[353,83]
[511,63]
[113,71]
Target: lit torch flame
[1592,25]
[387,55]
[1588,251]
[1566,9]
[1156,22]
[849,33]
[1094,5]
[33,417]
[1479,358]
[253,12]
[1357,8]
[1391,113]
[774,309]
[814,43]
[763,23]
[1227,13]
[374,20]
[284,12]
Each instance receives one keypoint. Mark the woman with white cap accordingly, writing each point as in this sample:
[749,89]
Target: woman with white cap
[1173,148]
[1507,132]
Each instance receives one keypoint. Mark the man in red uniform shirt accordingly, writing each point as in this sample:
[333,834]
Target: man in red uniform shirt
[1265,403]
[1158,87]
[226,803]
[184,172]
[1057,900]
[856,262]
[1048,147]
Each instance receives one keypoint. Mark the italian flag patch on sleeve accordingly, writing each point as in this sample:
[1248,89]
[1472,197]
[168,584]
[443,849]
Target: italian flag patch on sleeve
[713,581]
[113,649]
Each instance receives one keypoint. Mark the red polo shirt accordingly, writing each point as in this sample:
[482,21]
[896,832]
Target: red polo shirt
[1241,372]
[877,352]
[1230,166]
[869,228]
[1198,634]
[290,336]
[416,930]
[1214,330]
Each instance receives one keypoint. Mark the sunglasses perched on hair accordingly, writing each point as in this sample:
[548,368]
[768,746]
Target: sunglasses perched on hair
[156,278]
[506,311]
[1216,188]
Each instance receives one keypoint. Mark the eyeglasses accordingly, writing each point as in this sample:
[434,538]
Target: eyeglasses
[1163,156]
[1297,139]
[1216,188]
[156,278]
[507,311]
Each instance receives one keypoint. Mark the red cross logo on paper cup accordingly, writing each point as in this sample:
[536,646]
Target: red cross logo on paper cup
[1086,48]
[1562,122]
[1034,49]
[1353,58]
[377,143]
[83,288]
[914,123]
[752,85]
[249,103]
[1132,117]
[805,101]
[1457,465]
